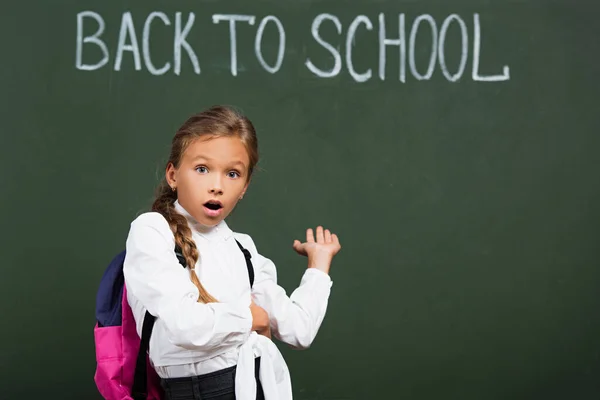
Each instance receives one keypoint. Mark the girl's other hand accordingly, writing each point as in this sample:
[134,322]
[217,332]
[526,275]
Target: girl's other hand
[260,319]
[320,252]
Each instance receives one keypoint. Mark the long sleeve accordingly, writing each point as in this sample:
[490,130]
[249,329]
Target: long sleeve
[155,278]
[296,319]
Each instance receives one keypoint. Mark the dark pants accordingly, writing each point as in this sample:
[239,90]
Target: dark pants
[218,385]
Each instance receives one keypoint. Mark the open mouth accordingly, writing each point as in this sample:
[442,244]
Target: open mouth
[213,205]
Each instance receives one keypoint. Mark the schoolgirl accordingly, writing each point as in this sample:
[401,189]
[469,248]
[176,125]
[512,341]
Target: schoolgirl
[216,318]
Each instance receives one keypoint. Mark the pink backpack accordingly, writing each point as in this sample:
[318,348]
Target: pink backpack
[123,371]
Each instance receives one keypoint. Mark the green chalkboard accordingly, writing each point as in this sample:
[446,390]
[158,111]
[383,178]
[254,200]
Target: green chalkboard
[453,146]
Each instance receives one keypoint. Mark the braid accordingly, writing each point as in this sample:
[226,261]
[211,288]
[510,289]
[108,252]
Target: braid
[183,235]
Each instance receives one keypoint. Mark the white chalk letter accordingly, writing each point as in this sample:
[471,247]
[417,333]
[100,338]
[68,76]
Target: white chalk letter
[90,39]
[400,42]
[464,47]
[180,41]
[361,19]
[476,50]
[413,37]
[146,43]
[127,29]
[232,18]
[258,42]
[337,67]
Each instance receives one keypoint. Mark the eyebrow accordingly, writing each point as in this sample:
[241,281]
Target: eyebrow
[198,157]
[201,157]
[239,163]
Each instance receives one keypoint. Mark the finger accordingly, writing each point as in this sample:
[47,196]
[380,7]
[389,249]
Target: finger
[297,245]
[335,239]
[299,248]
[320,237]
[310,238]
[327,236]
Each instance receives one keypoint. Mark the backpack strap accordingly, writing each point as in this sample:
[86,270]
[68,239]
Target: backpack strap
[139,389]
[247,256]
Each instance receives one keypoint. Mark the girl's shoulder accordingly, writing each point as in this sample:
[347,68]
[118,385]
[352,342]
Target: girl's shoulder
[150,219]
[263,266]
[246,241]
[150,224]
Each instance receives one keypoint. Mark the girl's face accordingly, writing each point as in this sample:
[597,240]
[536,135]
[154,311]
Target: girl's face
[211,178]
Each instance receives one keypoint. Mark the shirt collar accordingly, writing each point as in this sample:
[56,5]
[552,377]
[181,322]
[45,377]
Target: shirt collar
[219,231]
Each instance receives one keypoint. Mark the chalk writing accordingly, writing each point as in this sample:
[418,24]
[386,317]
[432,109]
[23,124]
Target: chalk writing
[389,33]
[258,43]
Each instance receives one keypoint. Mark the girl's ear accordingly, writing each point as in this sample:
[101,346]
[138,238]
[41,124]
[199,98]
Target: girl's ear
[171,176]
[245,188]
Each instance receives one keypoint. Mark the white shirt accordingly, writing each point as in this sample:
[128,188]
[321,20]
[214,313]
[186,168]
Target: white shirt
[191,338]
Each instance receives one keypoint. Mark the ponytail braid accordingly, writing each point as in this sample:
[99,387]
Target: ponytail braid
[183,235]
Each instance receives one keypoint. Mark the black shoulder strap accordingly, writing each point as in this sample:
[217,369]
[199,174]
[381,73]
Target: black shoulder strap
[247,256]
[139,390]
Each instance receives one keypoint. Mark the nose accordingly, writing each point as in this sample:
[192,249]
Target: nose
[216,186]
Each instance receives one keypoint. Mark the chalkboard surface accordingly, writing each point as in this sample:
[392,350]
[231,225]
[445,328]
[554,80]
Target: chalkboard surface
[453,146]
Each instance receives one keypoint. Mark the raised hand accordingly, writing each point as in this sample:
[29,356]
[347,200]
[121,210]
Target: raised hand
[320,251]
